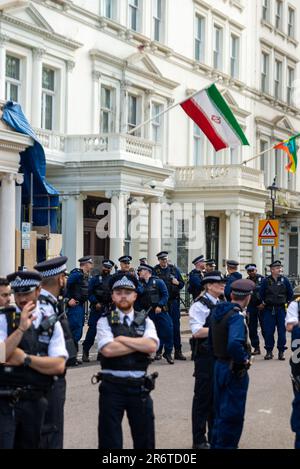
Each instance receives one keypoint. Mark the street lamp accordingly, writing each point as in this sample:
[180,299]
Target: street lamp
[273,189]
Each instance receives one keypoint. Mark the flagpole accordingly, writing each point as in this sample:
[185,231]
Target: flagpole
[258,155]
[167,110]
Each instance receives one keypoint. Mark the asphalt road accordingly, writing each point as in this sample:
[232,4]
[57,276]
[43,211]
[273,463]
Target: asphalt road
[267,420]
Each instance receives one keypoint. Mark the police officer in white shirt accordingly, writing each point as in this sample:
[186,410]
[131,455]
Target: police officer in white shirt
[200,313]
[35,352]
[126,339]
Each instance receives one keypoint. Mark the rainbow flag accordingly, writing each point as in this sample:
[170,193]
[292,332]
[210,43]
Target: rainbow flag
[290,148]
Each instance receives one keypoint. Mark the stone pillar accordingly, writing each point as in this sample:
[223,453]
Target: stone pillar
[72,227]
[69,68]
[7,224]
[147,114]
[235,235]
[3,40]
[96,104]
[257,251]
[37,70]
[117,223]
[154,230]
[124,107]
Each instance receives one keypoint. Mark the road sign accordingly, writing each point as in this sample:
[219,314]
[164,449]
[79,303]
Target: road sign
[26,234]
[268,233]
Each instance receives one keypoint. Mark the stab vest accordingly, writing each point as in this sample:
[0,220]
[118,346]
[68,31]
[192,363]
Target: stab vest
[166,275]
[102,291]
[276,292]
[80,290]
[136,361]
[151,294]
[203,343]
[255,297]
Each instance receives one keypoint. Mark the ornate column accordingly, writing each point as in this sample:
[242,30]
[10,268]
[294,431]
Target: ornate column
[154,229]
[257,251]
[117,223]
[96,104]
[72,227]
[124,106]
[36,90]
[69,69]
[3,41]
[8,223]
[235,235]
[147,113]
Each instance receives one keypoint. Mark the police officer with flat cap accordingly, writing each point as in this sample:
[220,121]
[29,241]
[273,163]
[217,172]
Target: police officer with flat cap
[232,276]
[35,352]
[143,261]
[232,350]
[126,339]
[125,264]
[200,315]
[172,277]
[275,292]
[51,303]
[210,265]
[77,292]
[196,276]
[292,322]
[100,300]
[155,295]
[254,308]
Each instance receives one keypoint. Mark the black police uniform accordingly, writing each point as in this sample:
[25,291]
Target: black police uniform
[253,312]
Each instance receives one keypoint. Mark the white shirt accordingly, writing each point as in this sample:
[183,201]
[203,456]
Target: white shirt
[105,336]
[292,313]
[57,346]
[199,312]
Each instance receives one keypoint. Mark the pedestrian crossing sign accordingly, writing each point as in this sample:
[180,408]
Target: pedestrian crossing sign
[268,232]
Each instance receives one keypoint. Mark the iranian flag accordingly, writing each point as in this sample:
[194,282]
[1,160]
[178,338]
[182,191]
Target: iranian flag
[210,112]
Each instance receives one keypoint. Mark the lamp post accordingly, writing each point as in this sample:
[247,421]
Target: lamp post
[273,190]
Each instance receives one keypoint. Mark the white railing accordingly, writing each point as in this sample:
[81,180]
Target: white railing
[86,144]
[51,140]
[221,175]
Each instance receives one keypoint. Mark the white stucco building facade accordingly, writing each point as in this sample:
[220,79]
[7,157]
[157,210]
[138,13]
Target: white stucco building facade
[87,71]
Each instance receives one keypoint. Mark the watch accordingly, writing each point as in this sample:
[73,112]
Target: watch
[27,361]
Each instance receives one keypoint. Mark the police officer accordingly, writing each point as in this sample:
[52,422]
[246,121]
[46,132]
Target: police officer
[232,276]
[125,264]
[200,314]
[210,265]
[143,261]
[5,292]
[100,300]
[126,339]
[232,350]
[77,292]
[34,352]
[292,322]
[275,292]
[196,276]
[172,277]
[155,295]
[53,272]
[254,307]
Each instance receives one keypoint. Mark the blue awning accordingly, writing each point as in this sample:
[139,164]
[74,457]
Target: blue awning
[33,161]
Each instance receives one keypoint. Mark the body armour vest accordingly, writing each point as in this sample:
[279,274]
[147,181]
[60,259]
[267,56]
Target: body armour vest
[80,290]
[62,318]
[102,290]
[203,343]
[34,342]
[167,275]
[276,292]
[136,361]
[151,295]
[219,334]
[193,290]
[255,297]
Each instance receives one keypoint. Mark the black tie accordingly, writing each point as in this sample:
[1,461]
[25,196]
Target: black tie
[126,321]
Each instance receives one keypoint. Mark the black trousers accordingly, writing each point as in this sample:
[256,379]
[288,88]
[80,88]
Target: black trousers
[114,400]
[202,409]
[21,423]
[53,427]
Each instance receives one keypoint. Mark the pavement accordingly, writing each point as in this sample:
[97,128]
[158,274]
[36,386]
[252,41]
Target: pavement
[267,419]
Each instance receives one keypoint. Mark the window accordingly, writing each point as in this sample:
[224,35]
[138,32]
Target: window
[264,160]
[266,10]
[290,81]
[218,43]
[234,156]
[158,15]
[278,80]
[182,244]
[265,73]
[198,146]
[293,253]
[133,111]
[234,59]
[13,78]
[48,96]
[278,165]
[199,38]
[157,122]
[109,8]
[107,118]
[134,14]
[291,22]
[278,15]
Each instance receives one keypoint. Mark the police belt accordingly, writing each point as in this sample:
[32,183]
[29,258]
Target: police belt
[135,382]
[28,393]
[270,306]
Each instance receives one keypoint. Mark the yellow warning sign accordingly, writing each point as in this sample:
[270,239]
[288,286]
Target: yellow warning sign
[268,233]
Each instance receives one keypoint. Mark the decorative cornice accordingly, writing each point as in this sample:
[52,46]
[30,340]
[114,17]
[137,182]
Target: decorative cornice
[96,75]
[4,39]
[38,53]
[70,65]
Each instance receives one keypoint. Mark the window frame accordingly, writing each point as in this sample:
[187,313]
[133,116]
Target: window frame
[289,92]
[198,142]
[158,126]
[278,81]
[200,48]
[161,20]
[279,18]
[111,112]
[138,10]
[47,92]
[291,26]
[265,73]
[220,28]
[237,58]
[266,9]
[10,81]
[131,125]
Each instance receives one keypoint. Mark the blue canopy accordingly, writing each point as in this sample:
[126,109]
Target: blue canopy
[33,161]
